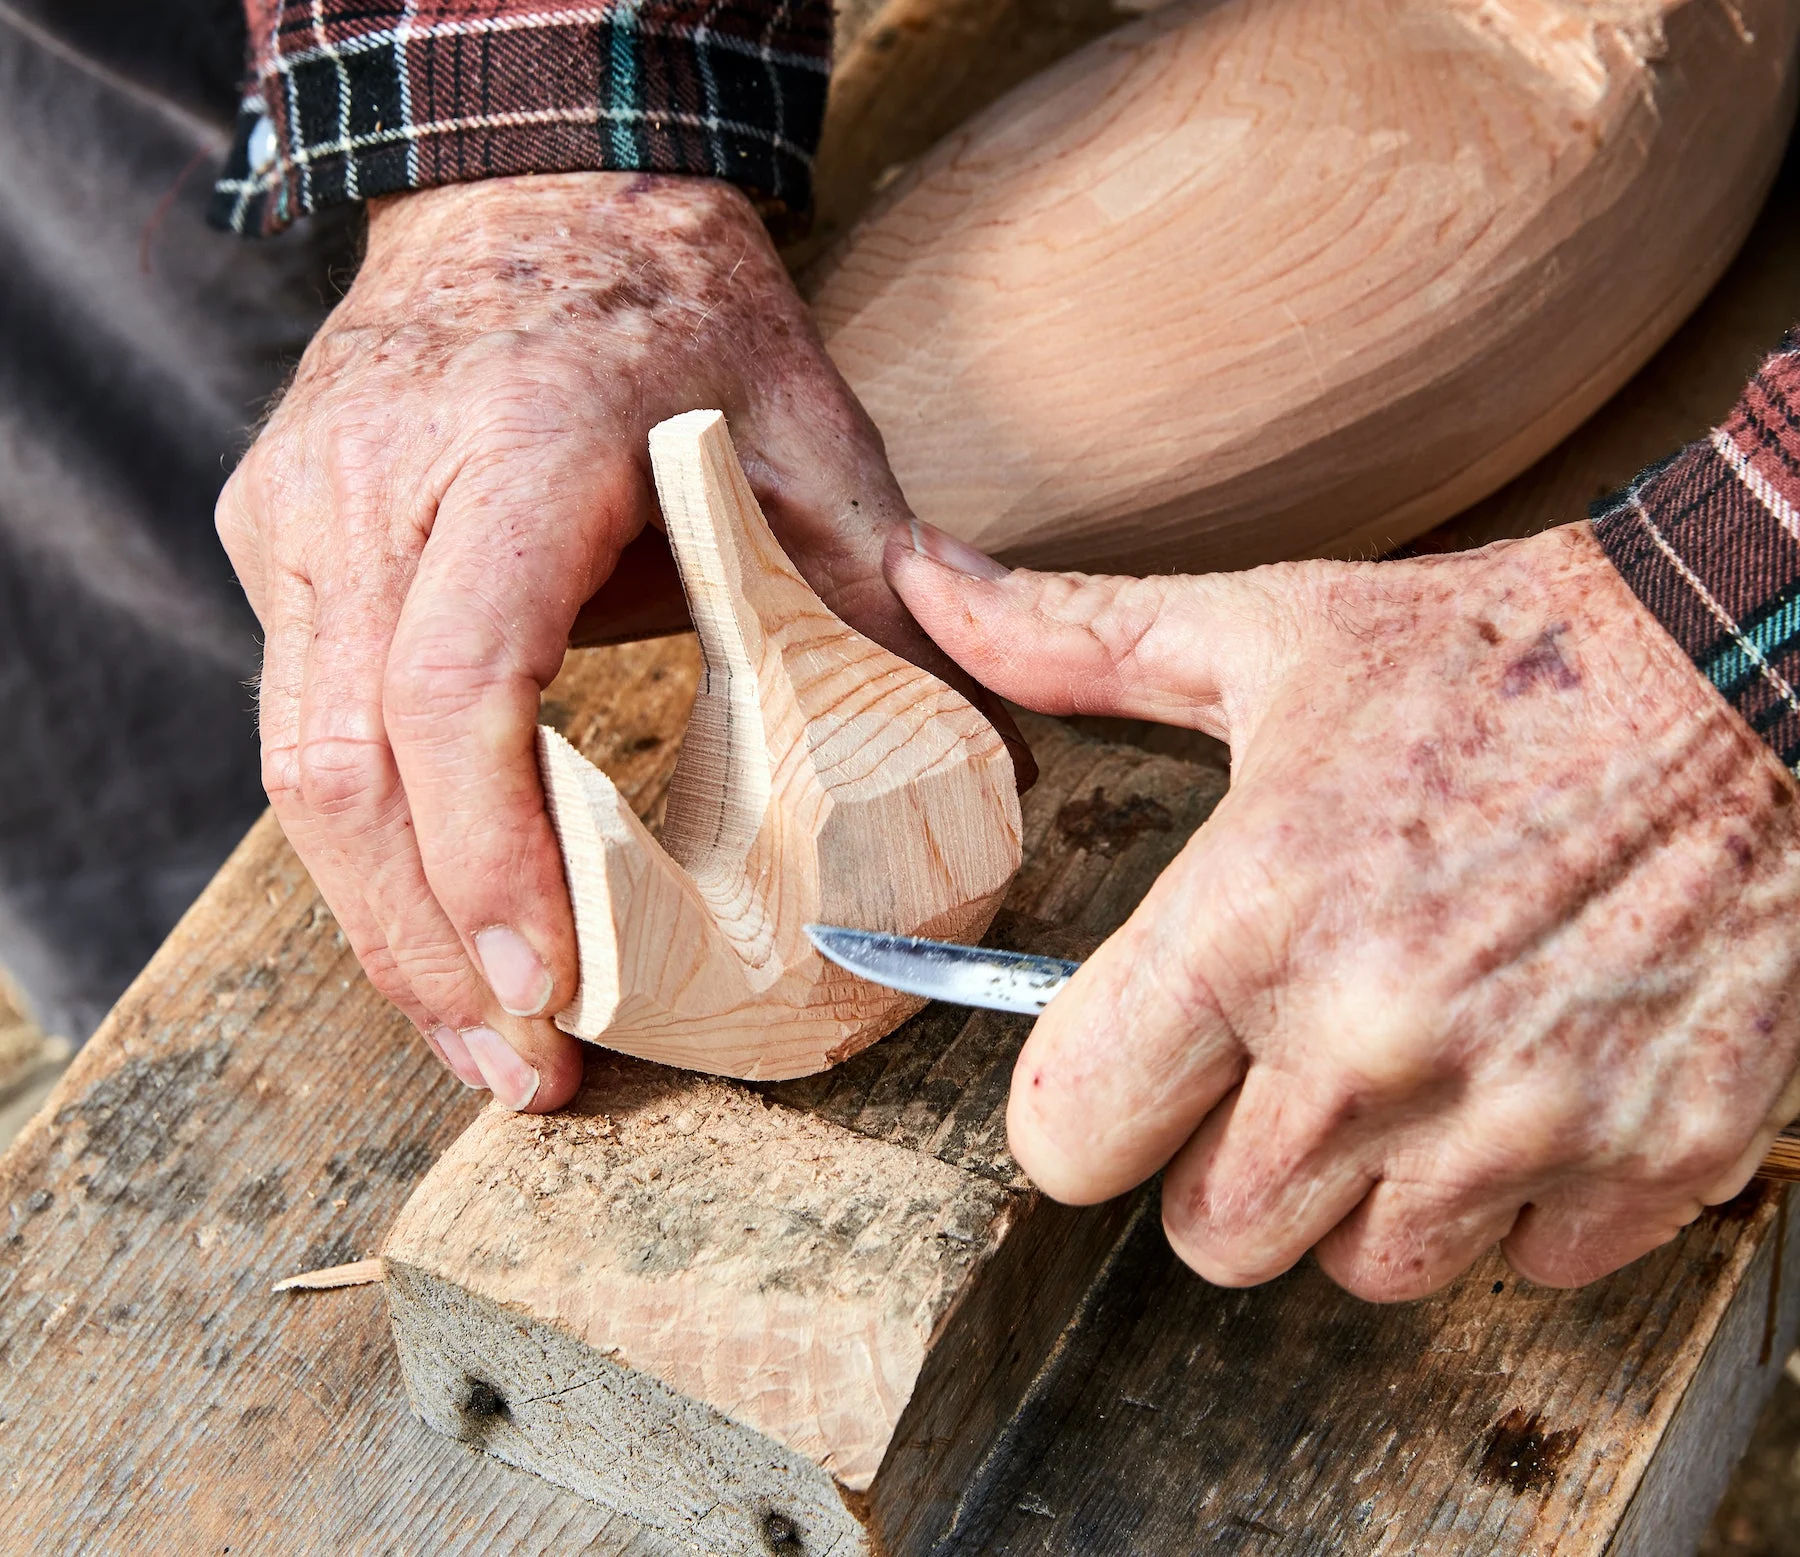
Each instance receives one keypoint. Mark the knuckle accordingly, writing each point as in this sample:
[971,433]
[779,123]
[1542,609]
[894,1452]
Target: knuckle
[1223,1267]
[281,776]
[1393,1043]
[1402,1261]
[424,693]
[439,972]
[231,514]
[444,672]
[1700,1151]
[1547,1268]
[380,969]
[1385,1277]
[517,411]
[266,485]
[1527,1137]
[1187,990]
[1117,616]
[1221,1236]
[360,465]
[335,774]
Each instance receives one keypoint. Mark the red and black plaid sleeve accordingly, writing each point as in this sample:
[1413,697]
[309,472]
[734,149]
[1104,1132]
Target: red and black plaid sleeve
[1710,542]
[353,98]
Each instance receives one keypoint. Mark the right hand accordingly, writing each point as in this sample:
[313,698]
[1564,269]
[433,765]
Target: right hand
[1494,940]
[435,507]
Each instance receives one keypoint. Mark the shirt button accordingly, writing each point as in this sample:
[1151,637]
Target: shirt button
[263,148]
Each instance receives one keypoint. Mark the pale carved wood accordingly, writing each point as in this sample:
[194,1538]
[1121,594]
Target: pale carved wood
[1272,278]
[821,779]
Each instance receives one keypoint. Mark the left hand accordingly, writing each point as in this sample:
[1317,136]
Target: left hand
[1493,940]
[455,488]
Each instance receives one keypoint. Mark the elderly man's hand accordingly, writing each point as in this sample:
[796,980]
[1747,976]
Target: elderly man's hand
[1493,939]
[445,490]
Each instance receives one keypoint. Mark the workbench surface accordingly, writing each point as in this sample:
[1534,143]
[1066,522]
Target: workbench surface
[251,1110]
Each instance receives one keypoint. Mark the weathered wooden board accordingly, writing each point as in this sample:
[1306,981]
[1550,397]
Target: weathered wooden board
[1491,1418]
[816,1302]
[252,1109]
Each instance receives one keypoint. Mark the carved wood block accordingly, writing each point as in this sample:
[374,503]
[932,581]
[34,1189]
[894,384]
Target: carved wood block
[821,779]
[787,1317]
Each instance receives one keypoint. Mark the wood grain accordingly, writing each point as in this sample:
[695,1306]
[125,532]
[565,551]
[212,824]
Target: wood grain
[1493,1417]
[1782,1161]
[1696,1455]
[1688,388]
[157,1396]
[816,1301]
[1271,278]
[821,778]
[30,1062]
[907,72]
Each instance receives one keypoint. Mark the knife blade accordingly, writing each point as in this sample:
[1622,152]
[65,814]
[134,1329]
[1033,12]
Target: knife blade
[943,970]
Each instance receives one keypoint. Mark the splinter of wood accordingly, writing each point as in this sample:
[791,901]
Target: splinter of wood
[821,778]
[358,1273]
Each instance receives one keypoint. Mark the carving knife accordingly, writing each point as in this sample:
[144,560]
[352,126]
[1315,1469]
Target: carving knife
[1023,982]
[943,970]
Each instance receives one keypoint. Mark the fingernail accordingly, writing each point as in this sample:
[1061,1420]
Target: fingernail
[455,1053]
[513,1082]
[519,980]
[929,541]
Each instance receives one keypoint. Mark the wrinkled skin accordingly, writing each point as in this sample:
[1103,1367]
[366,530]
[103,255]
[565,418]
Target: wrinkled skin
[455,486]
[1492,940]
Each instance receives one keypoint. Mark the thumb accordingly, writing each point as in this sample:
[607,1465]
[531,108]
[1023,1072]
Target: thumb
[1179,649]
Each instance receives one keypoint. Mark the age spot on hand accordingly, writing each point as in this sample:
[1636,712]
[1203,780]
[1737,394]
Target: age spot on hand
[1540,665]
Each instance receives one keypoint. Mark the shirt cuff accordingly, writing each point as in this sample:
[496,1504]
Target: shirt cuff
[1710,541]
[349,100]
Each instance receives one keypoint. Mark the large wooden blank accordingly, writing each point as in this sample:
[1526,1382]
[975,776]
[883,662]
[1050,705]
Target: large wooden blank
[1271,278]
[726,1311]
[821,779]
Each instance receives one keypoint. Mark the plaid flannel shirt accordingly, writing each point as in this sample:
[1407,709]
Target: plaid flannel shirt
[1710,541]
[354,98]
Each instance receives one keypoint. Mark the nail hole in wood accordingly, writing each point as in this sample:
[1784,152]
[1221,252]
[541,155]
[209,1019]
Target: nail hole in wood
[483,1400]
[781,1534]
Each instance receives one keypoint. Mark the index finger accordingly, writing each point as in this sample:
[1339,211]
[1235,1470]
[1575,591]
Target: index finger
[484,628]
[1142,1044]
